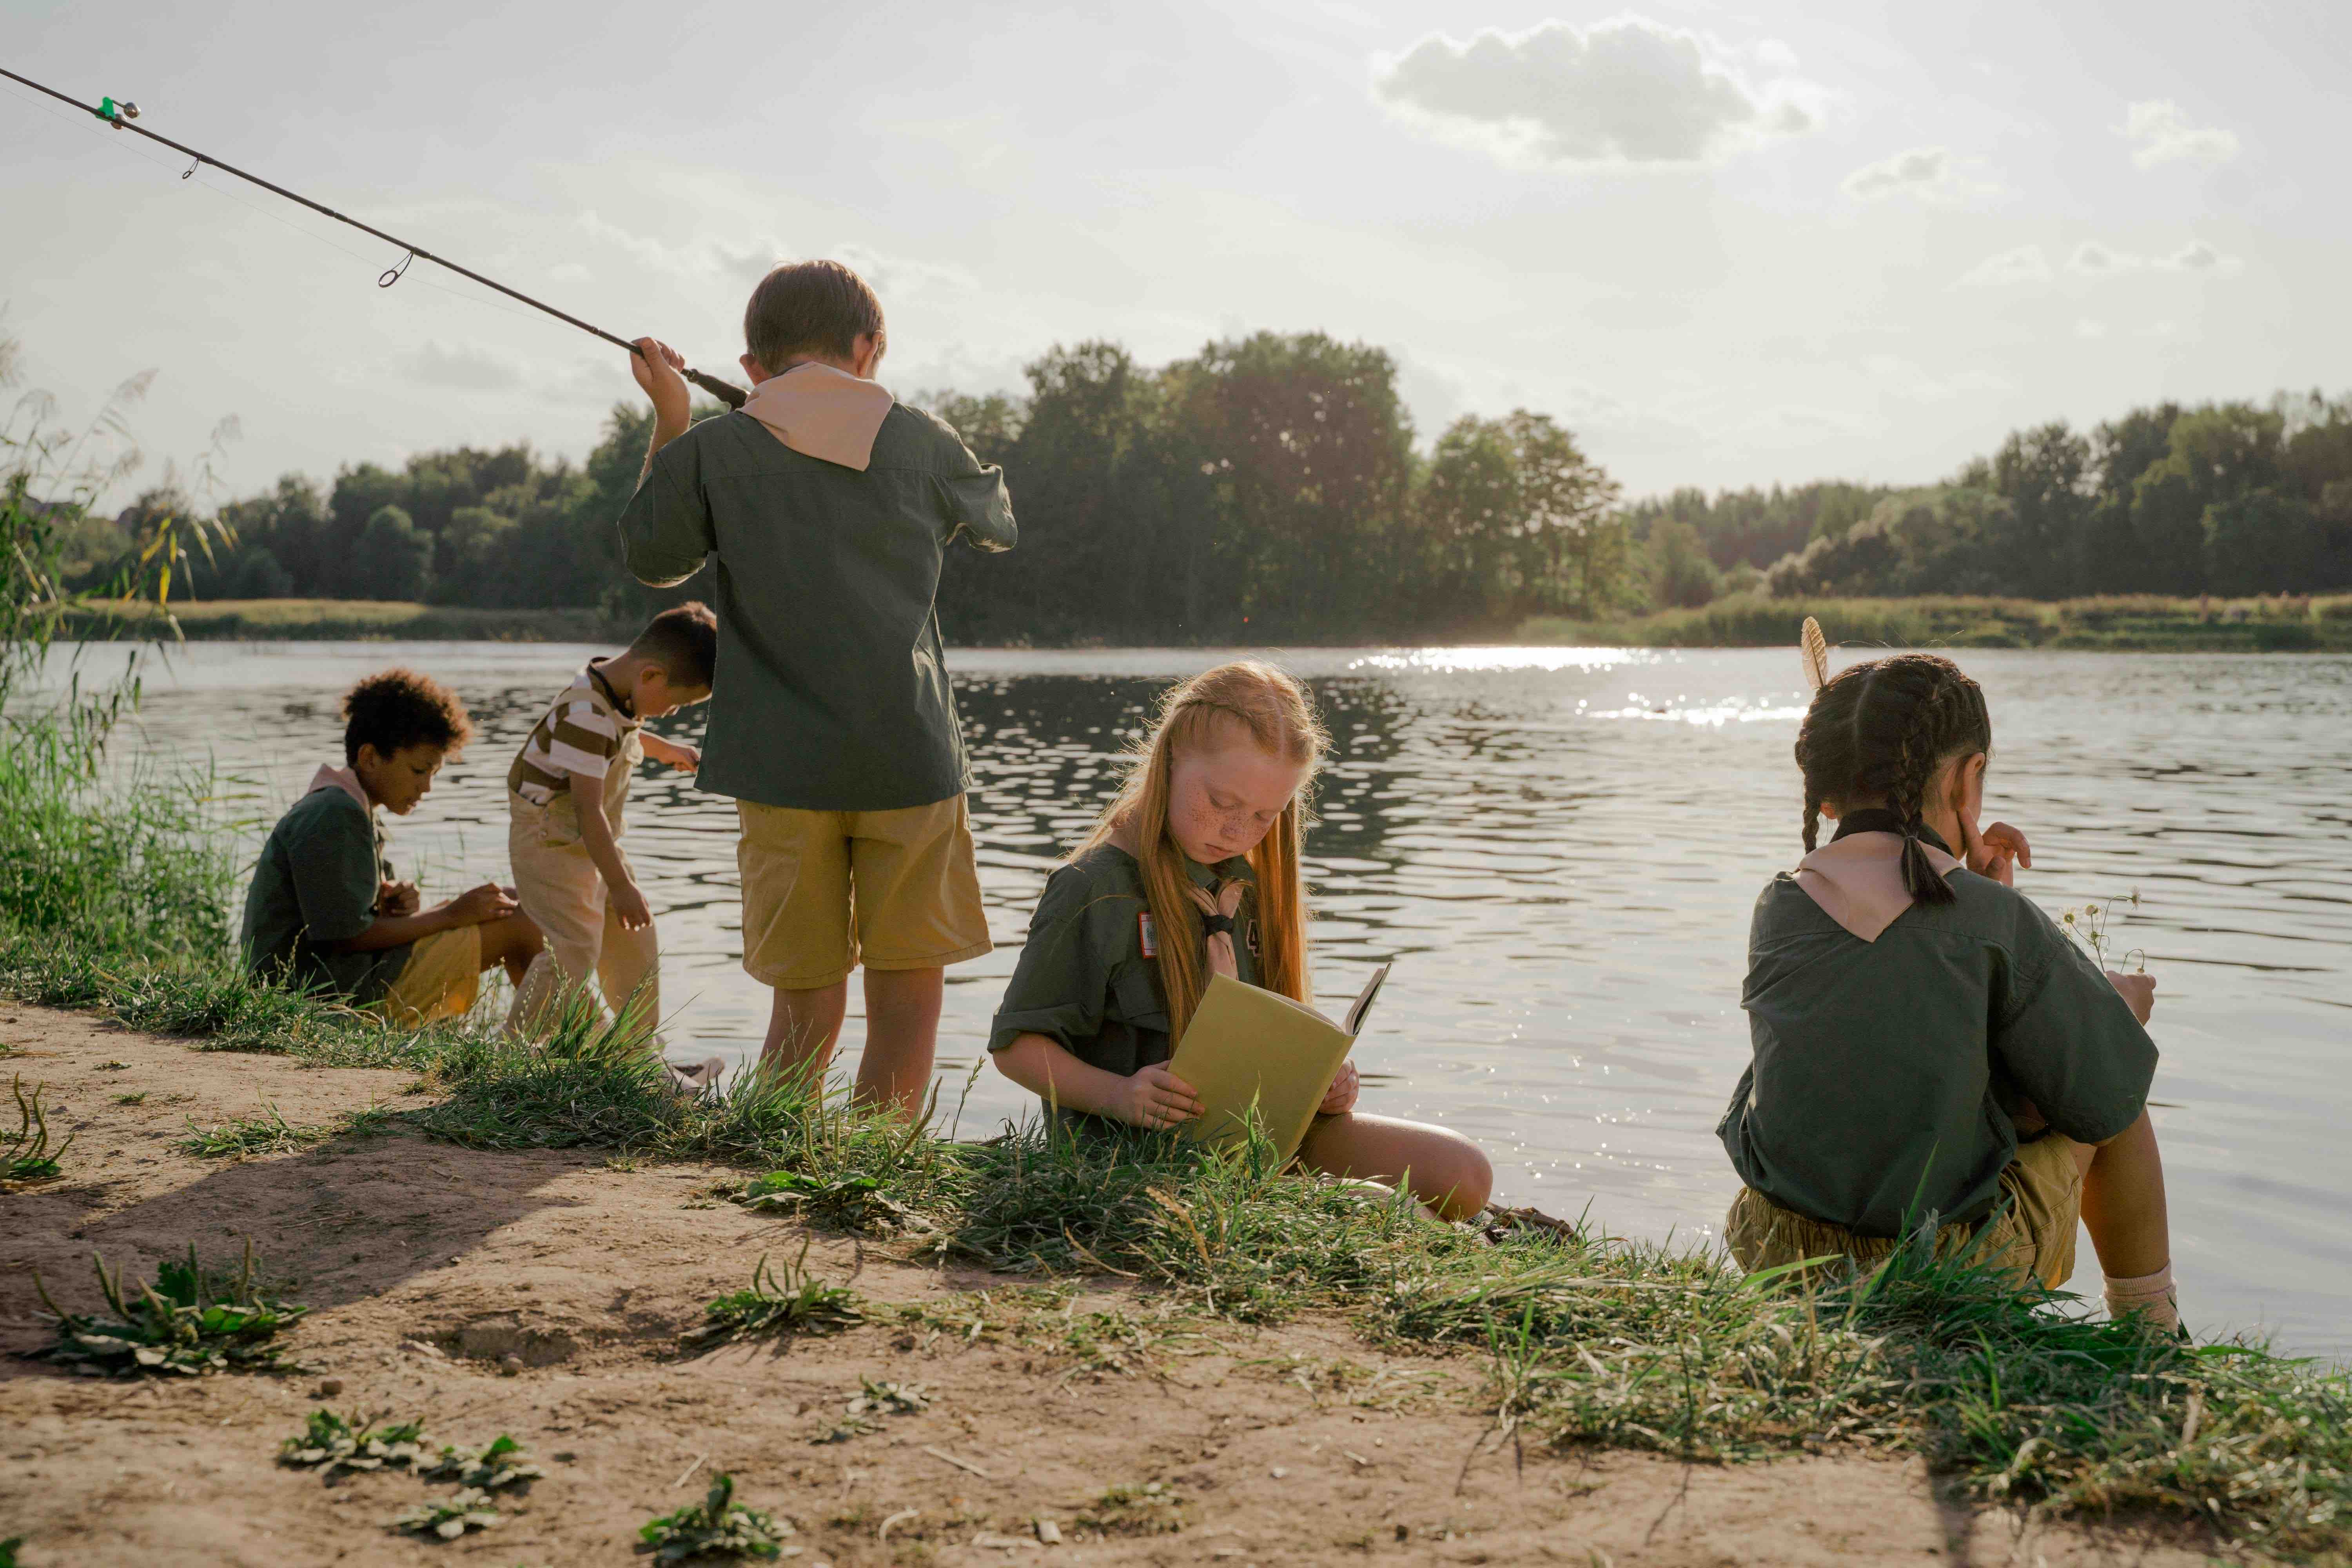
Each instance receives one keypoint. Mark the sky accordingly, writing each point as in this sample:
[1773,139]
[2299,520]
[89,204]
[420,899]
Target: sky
[1726,244]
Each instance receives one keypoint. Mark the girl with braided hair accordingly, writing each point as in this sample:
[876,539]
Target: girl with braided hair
[1194,869]
[1930,1049]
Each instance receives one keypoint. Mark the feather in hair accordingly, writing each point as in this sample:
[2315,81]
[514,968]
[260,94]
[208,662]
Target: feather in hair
[1815,650]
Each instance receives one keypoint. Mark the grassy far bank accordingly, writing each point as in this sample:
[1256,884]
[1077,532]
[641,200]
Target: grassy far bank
[2135,624]
[336,620]
[2125,624]
[117,901]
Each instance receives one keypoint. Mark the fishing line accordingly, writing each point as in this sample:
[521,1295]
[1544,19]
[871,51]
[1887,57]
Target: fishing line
[275,215]
[121,115]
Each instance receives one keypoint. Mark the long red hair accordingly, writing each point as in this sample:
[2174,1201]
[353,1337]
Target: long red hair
[1279,716]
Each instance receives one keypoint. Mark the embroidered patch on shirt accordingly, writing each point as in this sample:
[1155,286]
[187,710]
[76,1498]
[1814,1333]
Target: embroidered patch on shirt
[1145,935]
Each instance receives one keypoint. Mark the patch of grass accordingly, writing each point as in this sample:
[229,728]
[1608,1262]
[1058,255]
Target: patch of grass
[328,1443]
[797,1303]
[139,1098]
[269,1133]
[26,1158]
[191,1321]
[448,1517]
[1326,1380]
[717,1526]
[1152,1508]
[845,1203]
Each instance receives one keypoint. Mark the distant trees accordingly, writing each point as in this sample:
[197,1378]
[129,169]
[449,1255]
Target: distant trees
[2231,498]
[1270,489]
[499,529]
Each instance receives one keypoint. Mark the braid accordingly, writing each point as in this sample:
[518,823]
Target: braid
[1881,732]
[1922,753]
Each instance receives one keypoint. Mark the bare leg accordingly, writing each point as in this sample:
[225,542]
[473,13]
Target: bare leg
[902,1035]
[802,1029]
[2123,1202]
[512,941]
[1447,1171]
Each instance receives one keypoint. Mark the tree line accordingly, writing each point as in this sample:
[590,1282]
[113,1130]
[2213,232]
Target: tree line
[1272,489]
[2231,499]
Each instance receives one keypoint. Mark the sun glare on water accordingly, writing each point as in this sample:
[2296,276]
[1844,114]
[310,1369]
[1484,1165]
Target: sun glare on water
[1466,660]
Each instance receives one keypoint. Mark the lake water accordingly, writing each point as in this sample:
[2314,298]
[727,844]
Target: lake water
[1560,847]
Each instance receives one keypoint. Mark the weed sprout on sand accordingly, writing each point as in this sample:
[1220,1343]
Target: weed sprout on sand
[501,1462]
[449,1518]
[269,1133]
[191,1321]
[797,1303]
[26,1158]
[717,1526]
[329,1443]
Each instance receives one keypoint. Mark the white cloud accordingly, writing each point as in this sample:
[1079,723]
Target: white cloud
[1624,92]
[1927,173]
[2026,264]
[2092,259]
[2201,257]
[2087,328]
[2163,134]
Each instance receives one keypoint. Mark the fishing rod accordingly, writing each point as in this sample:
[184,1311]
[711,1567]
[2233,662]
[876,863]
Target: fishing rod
[120,114]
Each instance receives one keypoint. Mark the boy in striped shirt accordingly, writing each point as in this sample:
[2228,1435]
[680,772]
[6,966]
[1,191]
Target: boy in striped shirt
[564,796]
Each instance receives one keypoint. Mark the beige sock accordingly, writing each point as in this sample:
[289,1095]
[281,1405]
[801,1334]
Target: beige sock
[2150,1295]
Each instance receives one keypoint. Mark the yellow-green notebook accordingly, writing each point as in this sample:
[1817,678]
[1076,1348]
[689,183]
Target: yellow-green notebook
[1245,1046]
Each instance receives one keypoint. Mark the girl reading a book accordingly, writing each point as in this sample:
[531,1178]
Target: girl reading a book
[1193,871]
[1930,1050]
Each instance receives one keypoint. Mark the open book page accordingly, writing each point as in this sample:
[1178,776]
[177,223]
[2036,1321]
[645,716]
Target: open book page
[1251,1053]
[1363,1003]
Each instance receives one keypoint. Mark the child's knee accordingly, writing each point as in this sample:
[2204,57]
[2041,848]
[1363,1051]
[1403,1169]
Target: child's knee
[1453,1173]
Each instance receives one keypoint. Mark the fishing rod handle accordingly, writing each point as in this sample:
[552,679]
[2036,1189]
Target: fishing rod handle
[727,392]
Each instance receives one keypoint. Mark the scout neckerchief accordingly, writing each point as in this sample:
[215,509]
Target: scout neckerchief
[1217,912]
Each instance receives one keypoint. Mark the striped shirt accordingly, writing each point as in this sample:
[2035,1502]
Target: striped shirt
[581,732]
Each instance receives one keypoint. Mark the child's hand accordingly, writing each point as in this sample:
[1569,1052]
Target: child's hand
[656,365]
[1155,1098]
[629,908]
[674,754]
[2138,992]
[1997,852]
[1340,1097]
[397,899]
[479,906]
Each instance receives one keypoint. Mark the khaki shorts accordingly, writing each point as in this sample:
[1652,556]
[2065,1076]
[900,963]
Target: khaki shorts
[825,890]
[440,980]
[2031,1238]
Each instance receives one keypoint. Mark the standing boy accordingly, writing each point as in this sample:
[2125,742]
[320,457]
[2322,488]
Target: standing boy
[830,506]
[324,913]
[565,796]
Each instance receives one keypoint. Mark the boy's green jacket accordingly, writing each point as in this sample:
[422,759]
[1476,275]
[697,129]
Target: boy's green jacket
[831,692]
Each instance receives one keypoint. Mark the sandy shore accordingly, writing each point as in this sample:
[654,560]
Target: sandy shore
[433,1271]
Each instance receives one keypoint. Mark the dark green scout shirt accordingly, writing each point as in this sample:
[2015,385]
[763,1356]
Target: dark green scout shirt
[831,692]
[317,883]
[1879,1063]
[1083,981]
